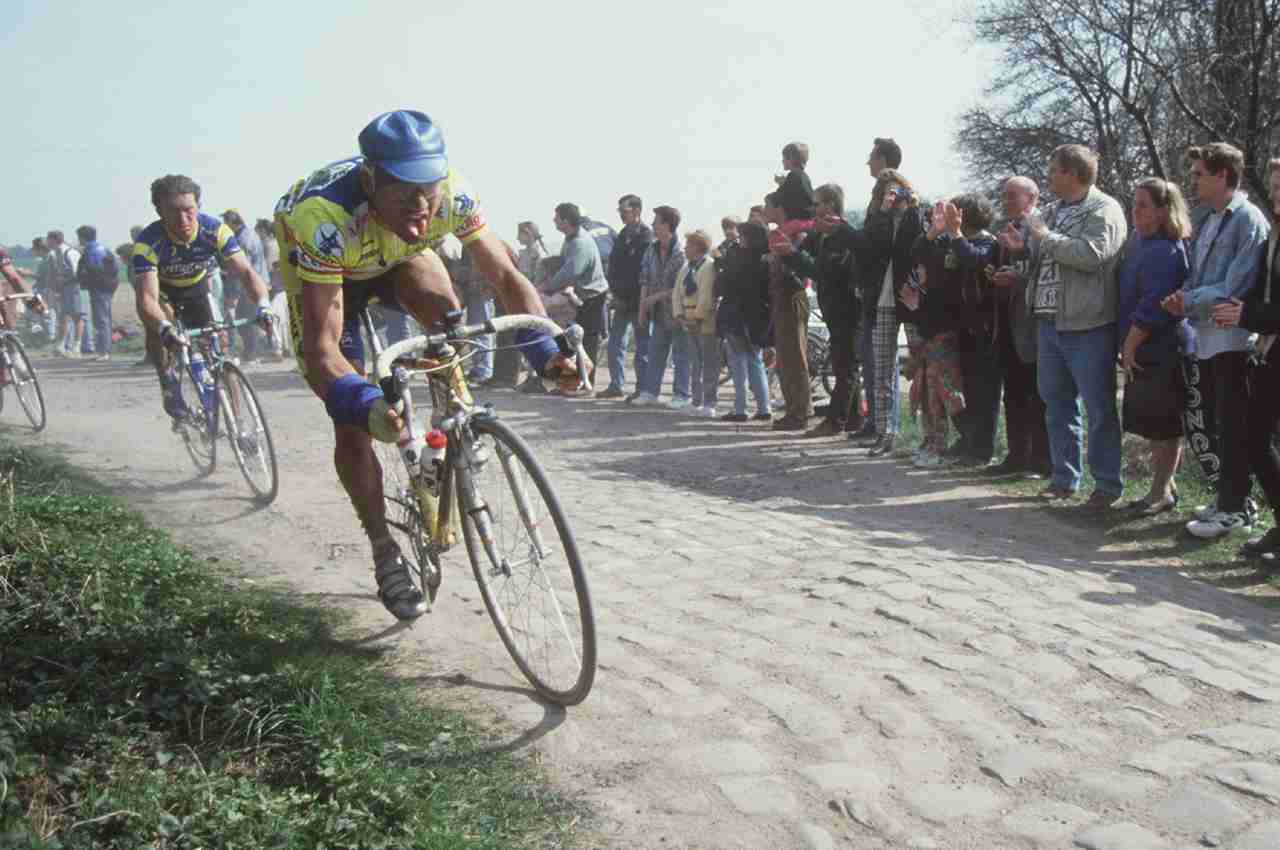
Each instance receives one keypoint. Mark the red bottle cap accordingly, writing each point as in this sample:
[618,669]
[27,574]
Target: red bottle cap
[437,439]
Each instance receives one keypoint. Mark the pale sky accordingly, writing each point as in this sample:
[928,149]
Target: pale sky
[684,103]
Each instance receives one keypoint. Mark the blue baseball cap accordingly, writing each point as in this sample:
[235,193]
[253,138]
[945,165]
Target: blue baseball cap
[406,145]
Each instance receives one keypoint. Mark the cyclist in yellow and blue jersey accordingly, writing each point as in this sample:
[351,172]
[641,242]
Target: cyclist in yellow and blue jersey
[172,256]
[364,228]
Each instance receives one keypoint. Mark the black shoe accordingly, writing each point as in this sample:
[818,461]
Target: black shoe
[734,417]
[788,423]
[763,417]
[1008,466]
[1259,546]
[534,386]
[884,446]
[610,392]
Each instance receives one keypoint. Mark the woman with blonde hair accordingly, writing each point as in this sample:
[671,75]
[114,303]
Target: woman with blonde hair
[1155,266]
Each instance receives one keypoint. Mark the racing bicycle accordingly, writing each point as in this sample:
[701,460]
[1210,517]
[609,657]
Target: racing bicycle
[21,374]
[465,466]
[221,402]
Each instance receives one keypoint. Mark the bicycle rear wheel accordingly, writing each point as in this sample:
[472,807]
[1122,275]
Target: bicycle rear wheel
[527,564]
[248,433]
[25,383]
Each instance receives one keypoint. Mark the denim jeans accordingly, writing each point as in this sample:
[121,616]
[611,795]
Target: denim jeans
[747,367]
[101,307]
[704,367]
[665,342]
[1073,366]
[622,325]
[398,327]
[480,309]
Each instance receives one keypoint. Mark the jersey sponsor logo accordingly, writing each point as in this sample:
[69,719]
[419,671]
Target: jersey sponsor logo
[463,205]
[316,264]
[328,239]
[184,270]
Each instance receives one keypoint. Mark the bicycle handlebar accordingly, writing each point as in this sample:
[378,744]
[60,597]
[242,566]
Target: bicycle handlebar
[216,327]
[499,324]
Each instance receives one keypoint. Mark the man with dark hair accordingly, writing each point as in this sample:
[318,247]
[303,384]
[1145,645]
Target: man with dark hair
[885,153]
[1226,253]
[581,269]
[99,276]
[173,257]
[662,264]
[624,285]
[1073,295]
[45,286]
[828,255]
[64,260]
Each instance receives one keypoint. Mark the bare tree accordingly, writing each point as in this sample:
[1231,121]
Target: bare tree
[1137,80]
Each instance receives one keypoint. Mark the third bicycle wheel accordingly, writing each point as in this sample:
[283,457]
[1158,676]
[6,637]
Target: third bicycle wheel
[25,384]
[531,578]
[247,432]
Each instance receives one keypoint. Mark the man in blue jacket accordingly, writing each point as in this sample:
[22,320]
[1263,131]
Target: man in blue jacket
[1225,254]
[99,275]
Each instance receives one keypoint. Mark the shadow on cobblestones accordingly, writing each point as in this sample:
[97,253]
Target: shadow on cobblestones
[955,513]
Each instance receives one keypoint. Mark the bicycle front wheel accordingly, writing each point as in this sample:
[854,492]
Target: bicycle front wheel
[25,383]
[246,428]
[527,564]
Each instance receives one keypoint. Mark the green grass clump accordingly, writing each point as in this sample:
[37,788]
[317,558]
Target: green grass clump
[147,703]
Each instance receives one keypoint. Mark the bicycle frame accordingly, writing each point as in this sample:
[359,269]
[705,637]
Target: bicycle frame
[452,414]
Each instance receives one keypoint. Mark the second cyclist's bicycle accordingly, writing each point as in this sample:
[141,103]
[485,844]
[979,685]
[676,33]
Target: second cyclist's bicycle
[20,374]
[219,402]
[467,467]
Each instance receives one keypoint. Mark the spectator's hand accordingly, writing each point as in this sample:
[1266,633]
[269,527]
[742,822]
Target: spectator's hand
[1129,361]
[1004,277]
[910,297]
[954,218]
[1227,314]
[827,223]
[1037,226]
[937,221]
[1011,239]
[1175,304]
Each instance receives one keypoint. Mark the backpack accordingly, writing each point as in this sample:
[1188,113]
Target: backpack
[102,276]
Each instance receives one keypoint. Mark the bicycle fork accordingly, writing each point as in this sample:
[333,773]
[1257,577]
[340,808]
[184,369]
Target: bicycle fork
[478,509]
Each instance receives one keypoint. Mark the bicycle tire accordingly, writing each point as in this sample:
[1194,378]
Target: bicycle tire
[499,596]
[27,389]
[266,490]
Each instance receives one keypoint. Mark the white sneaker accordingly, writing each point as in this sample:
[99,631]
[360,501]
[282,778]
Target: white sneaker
[646,400]
[1219,524]
[1204,513]
[679,403]
[703,412]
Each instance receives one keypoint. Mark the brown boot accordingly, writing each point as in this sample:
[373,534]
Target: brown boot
[825,428]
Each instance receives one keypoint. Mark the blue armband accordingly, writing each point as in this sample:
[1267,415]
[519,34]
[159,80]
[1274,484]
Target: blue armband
[349,400]
[538,348]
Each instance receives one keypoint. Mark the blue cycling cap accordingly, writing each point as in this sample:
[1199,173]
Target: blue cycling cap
[406,145]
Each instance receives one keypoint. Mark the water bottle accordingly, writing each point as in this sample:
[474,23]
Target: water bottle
[412,448]
[203,382]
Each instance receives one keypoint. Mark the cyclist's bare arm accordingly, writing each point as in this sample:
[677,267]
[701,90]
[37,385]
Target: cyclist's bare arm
[492,260]
[15,281]
[238,264]
[147,299]
[321,335]
[321,332]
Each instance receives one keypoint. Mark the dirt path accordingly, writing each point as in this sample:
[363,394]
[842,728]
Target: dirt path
[800,647]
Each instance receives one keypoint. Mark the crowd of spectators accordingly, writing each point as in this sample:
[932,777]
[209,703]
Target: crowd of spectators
[1041,306]
[1045,307]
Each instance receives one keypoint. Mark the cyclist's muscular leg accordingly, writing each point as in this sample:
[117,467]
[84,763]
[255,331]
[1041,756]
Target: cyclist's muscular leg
[423,288]
[361,476]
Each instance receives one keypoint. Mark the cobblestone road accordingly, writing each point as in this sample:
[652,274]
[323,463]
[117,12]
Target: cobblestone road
[800,647]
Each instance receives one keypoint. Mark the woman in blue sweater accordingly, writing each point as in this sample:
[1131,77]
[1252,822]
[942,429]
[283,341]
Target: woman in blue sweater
[1155,266]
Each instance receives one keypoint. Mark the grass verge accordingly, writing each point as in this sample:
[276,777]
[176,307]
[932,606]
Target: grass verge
[146,703]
